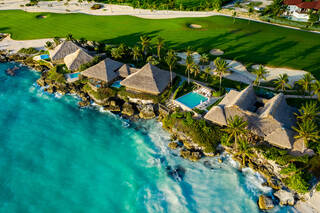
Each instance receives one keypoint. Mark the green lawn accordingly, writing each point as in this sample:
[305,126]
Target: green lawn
[243,41]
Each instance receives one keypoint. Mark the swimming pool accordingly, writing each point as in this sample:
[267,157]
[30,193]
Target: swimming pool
[43,57]
[192,99]
[74,75]
[116,84]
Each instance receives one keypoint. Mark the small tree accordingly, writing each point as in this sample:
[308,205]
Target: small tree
[152,60]
[236,129]
[160,44]
[49,45]
[307,130]
[282,82]
[308,111]
[69,37]
[145,44]
[316,89]
[234,15]
[136,53]
[260,73]
[204,59]
[306,83]
[56,40]
[207,71]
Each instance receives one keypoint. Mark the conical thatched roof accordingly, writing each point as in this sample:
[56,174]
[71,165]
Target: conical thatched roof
[62,50]
[216,115]
[149,79]
[125,71]
[281,137]
[105,70]
[74,60]
[245,99]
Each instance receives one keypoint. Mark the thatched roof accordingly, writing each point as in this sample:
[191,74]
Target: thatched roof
[62,50]
[105,70]
[273,121]
[216,115]
[149,79]
[74,60]
[245,99]
[126,70]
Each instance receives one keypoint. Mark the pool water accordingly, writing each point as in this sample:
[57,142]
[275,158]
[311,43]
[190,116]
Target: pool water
[74,75]
[192,99]
[116,84]
[44,57]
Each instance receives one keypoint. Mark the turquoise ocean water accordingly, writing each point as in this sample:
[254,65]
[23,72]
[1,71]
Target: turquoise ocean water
[55,157]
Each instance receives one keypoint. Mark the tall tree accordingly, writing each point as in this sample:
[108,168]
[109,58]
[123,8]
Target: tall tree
[245,151]
[236,129]
[309,111]
[189,66]
[195,69]
[160,44]
[136,53]
[316,89]
[221,68]
[204,58]
[308,131]
[145,44]
[260,73]
[207,71]
[171,60]
[152,60]
[282,82]
[306,83]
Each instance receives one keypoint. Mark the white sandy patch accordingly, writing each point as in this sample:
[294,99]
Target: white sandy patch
[74,6]
[216,52]
[294,75]
[195,26]
[15,45]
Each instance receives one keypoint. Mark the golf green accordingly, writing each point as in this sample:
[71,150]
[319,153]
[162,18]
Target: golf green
[248,42]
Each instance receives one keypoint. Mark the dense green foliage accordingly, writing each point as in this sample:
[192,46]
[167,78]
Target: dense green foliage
[55,76]
[254,42]
[30,50]
[200,132]
[101,93]
[171,4]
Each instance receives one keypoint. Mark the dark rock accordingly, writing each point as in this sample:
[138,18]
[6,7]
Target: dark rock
[265,202]
[176,173]
[173,145]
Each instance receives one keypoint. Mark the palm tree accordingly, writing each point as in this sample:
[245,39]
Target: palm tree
[49,45]
[261,73]
[307,130]
[316,89]
[189,66]
[234,15]
[195,69]
[308,111]
[245,151]
[236,128]
[116,53]
[306,83]
[221,68]
[204,58]
[207,71]
[136,53]
[160,43]
[152,60]
[171,60]
[82,41]
[69,37]
[56,40]
[145,43]
[282,82]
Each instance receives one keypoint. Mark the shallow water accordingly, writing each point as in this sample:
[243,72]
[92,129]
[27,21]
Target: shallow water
[55,157]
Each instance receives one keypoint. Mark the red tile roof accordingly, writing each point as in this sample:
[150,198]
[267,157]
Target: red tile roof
[304,5]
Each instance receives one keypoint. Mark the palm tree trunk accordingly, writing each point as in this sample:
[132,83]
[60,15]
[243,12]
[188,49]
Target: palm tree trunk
[188,77]
[220,82]
[170,75]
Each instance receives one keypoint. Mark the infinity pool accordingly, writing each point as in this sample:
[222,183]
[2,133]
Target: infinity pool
[116,84]
[192,99]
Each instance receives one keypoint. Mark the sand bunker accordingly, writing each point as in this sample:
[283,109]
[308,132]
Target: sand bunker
[41,17]
[216,52]
[195,26]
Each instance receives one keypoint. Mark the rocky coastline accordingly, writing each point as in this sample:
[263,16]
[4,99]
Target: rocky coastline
[179,140]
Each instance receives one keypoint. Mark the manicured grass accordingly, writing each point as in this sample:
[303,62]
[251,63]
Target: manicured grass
[243,41]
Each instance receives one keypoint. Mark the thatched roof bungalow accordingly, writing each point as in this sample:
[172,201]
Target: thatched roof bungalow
[273,121]
[74,60]
[62,50]
[106,70]
[149,79]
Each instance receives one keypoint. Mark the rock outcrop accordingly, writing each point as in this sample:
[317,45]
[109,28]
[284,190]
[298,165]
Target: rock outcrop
[147,112]
[265,202]
[127,109]
[285,197]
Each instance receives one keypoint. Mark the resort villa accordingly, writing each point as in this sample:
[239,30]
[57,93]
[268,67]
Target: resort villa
[298,10]
[149,79]
[271,119]
[70,54]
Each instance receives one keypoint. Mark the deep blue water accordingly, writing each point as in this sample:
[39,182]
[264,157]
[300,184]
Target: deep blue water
[55,157]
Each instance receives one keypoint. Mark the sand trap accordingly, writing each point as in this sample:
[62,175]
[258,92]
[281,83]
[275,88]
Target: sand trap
[216,52]
[195,26]
[294,75]
[15,45]
[41,17]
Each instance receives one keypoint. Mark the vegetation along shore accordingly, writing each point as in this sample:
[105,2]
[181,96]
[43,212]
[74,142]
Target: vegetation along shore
[147,79]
